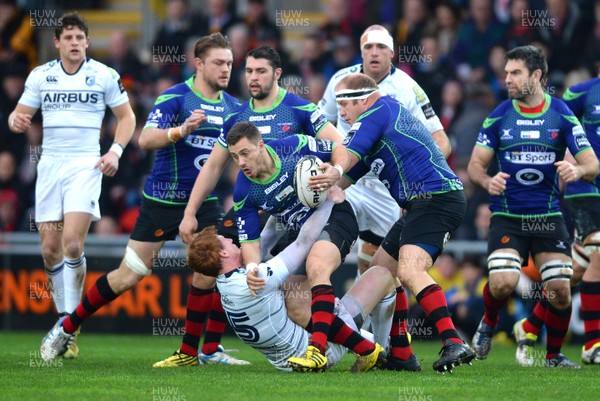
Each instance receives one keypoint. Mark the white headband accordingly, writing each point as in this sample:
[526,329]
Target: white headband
[354,94]
[380,36]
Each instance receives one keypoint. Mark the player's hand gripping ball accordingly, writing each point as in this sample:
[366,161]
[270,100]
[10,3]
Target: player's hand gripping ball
[307,167]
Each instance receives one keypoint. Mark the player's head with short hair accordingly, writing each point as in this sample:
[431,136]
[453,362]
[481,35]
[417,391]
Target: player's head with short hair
[533,58]
[353,95]
[204,252]
[212,41]
[377,51]
[243,130]
[268,53]
[69,21]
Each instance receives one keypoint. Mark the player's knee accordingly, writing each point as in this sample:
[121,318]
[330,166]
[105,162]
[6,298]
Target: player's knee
[135,264]
[52,252]
[559,294]
[73,247]
[504,269]
[591,244]
[502,285]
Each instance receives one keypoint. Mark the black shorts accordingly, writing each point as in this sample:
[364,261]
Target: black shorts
[585,212]
[341,229]
[160,221]
[529,234]
[228,227]
[427,221]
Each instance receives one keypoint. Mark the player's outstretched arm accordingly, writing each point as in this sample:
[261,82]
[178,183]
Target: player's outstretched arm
[442,141]
[109,162]
[19,120]
[205,183]
[586,168]
[157,138]
[331,133]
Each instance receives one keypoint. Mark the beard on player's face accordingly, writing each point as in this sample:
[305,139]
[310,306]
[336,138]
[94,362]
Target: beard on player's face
[262,91]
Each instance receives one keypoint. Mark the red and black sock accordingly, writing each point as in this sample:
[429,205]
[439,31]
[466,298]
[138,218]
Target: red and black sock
[323,302]
[341,333]
[215,326]
[99,295]
[534,322]
[590,312]
[557,325]
[198,305]
[400,346]
[492,306]
[433,302]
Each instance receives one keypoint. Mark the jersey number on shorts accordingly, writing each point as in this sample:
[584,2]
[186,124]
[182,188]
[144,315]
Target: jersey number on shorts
[244,331]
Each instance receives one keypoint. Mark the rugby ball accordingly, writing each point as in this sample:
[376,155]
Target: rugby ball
[308,166]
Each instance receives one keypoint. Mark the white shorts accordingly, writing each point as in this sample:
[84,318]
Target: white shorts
[66,185]
[375,209]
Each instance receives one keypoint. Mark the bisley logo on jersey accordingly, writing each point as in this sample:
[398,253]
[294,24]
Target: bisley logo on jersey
[531,122]
[210,107]
[531,157]
[276,184]
[266,117]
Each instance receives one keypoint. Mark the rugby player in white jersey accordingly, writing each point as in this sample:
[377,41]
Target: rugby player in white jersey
[262,321]
[73,92]
[375,209]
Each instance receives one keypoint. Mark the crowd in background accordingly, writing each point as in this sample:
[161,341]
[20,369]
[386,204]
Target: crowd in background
[453,48]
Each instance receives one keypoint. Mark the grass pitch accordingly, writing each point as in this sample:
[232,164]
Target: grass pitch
[118,367]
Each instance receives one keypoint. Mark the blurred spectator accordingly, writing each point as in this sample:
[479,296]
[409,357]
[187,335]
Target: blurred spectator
[238,36]
[591,52]
[106,226]
[313,57]
[479,33]
[338,23]
[483,217]
[444,272]
[344,55]
[124,60]
[220,17]
[519,32]
[432,71]
[411,26]
[445,25]
[466,302]
[17,36]
[13,83]
[316,88]
[563,33]
[9,210]
[466,127]
[496,74]
[258,22]
[172,36]
[452,103]
[189,68]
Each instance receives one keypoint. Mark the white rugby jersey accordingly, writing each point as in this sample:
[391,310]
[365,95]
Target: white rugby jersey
[73,105]
[263,322]
[396,84]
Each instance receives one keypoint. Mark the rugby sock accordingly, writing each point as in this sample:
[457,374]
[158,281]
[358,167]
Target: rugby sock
[198,306]
[557,325]
[534,322]
[341,333]
[492,306]
[56,285]
[74,277]
[354,308]
[381,319]
[215,325]
[590,312]
[433,302]
[99,295]
[398,334]
[323,302]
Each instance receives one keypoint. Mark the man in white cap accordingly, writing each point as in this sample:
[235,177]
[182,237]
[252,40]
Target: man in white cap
[375,209]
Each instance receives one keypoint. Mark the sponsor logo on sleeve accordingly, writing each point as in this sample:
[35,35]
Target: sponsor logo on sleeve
[428,110]
[483,139]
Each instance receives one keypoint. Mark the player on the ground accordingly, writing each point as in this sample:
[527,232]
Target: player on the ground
[583,202]
[528,135]
[73,93]
[276,112]
[265,183]
[184,126]
[376,211]
[262,322]
[389,141]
